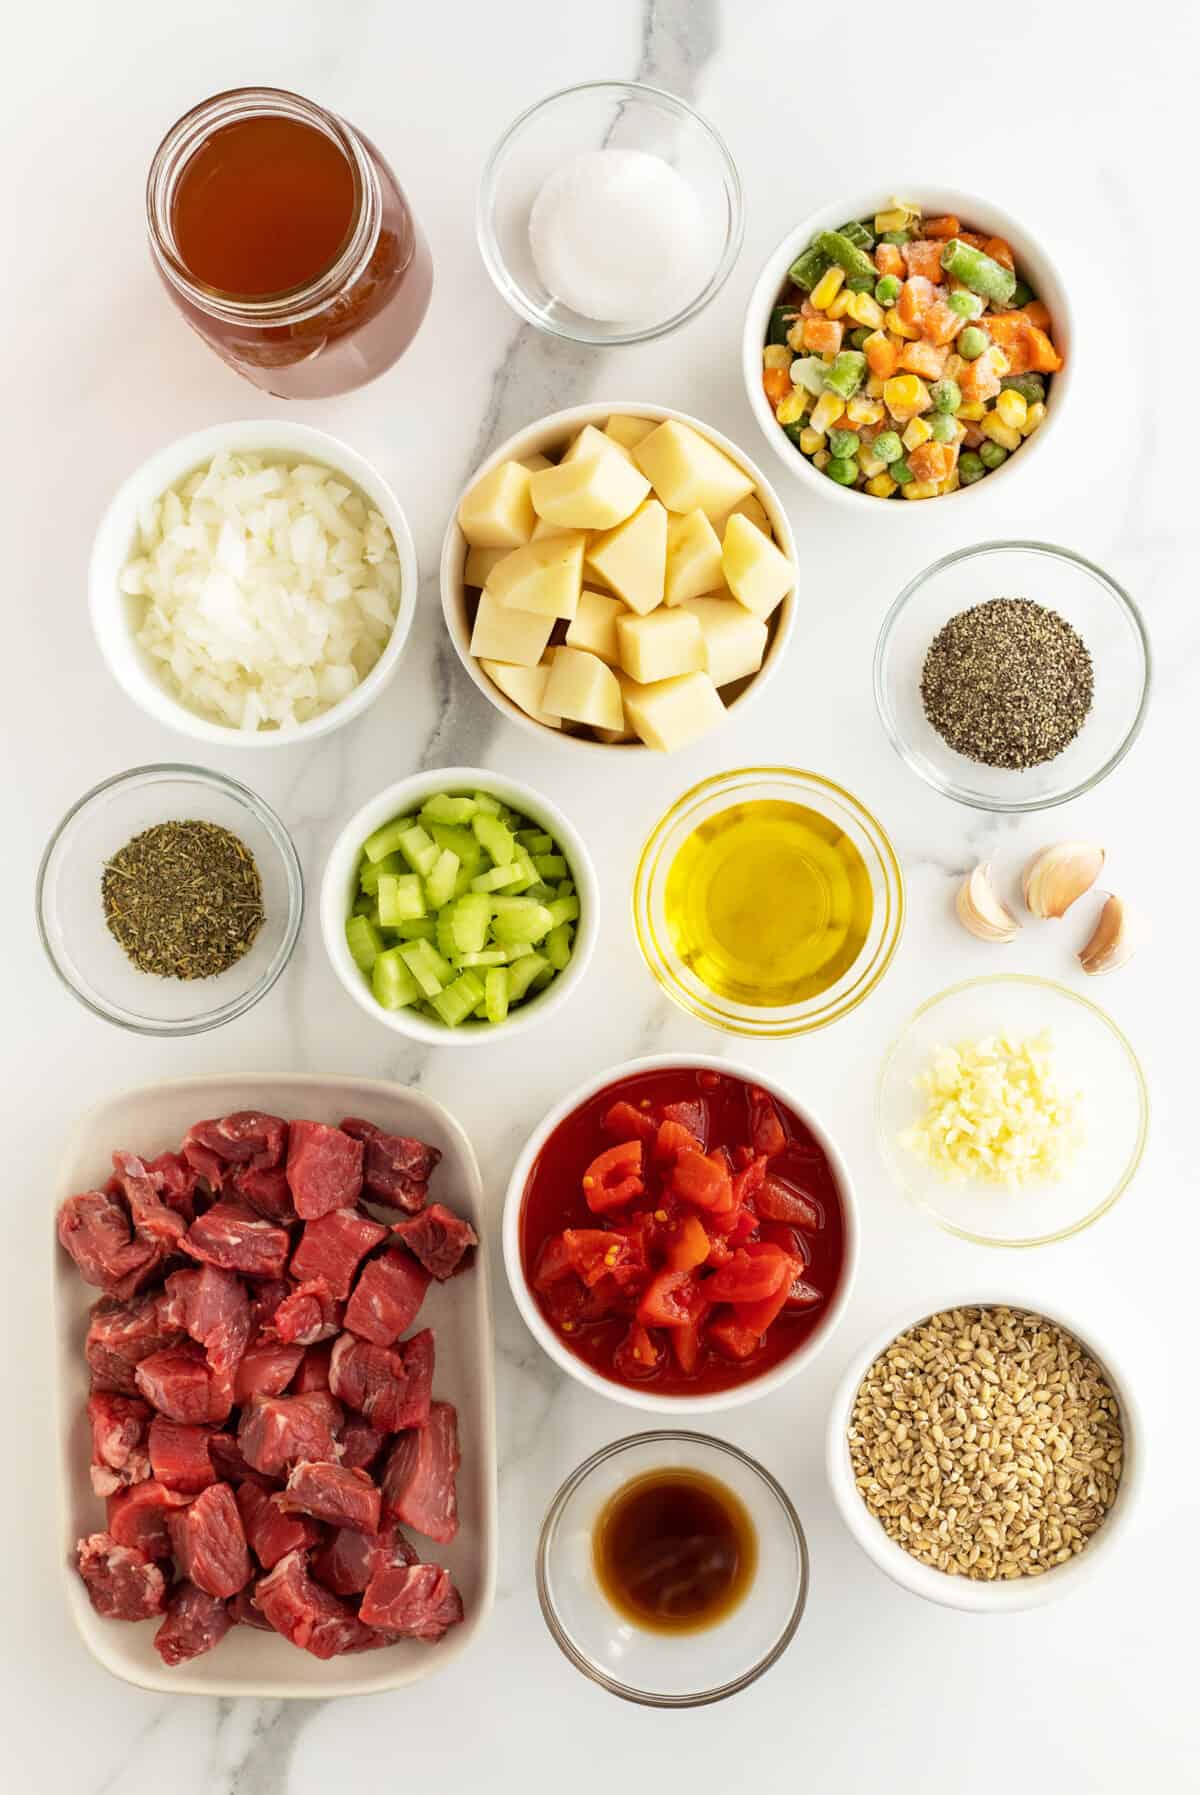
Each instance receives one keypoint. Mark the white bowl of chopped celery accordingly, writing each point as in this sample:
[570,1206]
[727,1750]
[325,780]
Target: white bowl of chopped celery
[458,905]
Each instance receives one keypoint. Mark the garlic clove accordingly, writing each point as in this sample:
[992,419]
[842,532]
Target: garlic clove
[980,911]
[1058,875]
[1117,932]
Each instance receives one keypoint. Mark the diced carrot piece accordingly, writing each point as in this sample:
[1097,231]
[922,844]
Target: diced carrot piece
[1044,357]
[916,297]
[1037,313]
[1006,328]
[823,334]
[1025,343]
[777,384]
[888,259]
[925,258]
[880,352]
[925,359]
[979,379]
[944,227]
[933,460]
[972,436]
[973,238]
[940,324]
[1000,251]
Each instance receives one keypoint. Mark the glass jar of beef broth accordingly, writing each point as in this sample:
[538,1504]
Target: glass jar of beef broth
[287,243]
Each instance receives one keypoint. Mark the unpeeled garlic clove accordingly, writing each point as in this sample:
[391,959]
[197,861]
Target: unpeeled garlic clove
[1114,938]
[1058,875]
[980,911]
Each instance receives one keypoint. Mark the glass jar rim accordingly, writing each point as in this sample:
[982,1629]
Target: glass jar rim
[293,304]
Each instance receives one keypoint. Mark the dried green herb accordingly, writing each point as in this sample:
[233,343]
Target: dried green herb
[184,899]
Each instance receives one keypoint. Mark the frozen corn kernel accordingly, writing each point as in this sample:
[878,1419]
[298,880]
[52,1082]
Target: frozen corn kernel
[822,458]
[811,440]
[971,414]
[1033,417]
[954,366]
[905,395]
[870,464]
[1012,408]
[839,305]
[920,489]
[950,483]
[997,431]
[865,310]
[777,355]
[874,386]
[827,287]
[864,410]
[795,336]
[916,433]
[827,410]
[895,218]
[792,406]
[896,324]
[881,486]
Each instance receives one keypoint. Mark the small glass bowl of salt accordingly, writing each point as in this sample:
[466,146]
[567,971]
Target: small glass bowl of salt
[610,213]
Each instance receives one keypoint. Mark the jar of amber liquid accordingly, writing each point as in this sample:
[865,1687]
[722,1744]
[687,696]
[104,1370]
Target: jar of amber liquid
[287,243]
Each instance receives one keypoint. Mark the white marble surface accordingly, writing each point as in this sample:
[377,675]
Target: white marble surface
[1072,122]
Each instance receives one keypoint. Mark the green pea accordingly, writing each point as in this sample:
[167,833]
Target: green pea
[972,342]
[887,446]
[887,290]
[858,338]
[970,468]
[965,305]
[946,395]
[901,473]
[843,444]
[1022,294]
[992,454]
[944,429]
[844,472]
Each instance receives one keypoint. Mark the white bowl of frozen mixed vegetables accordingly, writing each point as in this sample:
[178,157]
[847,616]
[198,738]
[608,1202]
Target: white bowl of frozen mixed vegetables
[907,348]
[458,906]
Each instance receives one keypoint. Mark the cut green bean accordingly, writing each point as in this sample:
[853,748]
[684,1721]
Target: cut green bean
[808,267]
[990,279]
[848,256]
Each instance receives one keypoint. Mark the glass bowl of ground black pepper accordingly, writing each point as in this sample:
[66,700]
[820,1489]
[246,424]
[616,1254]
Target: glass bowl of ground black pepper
[169,899]
[1013,676]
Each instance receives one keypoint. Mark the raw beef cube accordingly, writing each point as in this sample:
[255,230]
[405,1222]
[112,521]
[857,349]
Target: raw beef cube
[309,1314]
[439,1238]
[266,1368]
[419,1478]
[138,1516]
[244,1611]
[390,1386]
[415,1601]
[310,1616]
[152,1219]
[179,1456]
[270,1533]
[119,1455]
[347,1564]
[209,1542]
[276,1431]
[331,1248]
[314,1370]
[211,1305]
[247,1138]
[265,1297]
[195,1623]
[266,1191]
[324,1169]
[331,1493]
[95,1229]
[230,1234]
[361,1445]
[175,1181]
[396,1168]
[181,1384]
[121,1335]
[231,1467]
[386,1298]
[121,1582]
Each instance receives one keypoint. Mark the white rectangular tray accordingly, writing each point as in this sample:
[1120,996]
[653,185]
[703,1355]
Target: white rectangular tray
[248,1662]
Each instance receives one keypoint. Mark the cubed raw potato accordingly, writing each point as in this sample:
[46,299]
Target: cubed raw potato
[675,711]
[591,441]
[752,507]
[632,558]
[687,471]
[594,625]
[535,463]
[759,576]
[526,687]
[498,510]
[593,492]
[628,431]
[660,645]
[504,635]
[480,562]
[734,640]
[626,731]
[542,529]
[543,576]
[693,558]
[581,689]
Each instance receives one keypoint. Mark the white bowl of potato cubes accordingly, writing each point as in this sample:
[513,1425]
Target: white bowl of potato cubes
[620,574]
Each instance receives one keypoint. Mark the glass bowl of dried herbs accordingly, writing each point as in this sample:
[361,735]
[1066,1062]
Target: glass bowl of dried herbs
[169,899]
[1013,676]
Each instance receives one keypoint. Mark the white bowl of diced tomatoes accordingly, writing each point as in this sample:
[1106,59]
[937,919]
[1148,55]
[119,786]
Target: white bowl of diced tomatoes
[983,219]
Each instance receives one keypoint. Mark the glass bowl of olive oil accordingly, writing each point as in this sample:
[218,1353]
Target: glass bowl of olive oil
[768,902]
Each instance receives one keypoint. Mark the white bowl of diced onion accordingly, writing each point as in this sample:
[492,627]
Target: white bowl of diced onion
[339,615]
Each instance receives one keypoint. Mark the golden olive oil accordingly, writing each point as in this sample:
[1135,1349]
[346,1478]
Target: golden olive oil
[768,903]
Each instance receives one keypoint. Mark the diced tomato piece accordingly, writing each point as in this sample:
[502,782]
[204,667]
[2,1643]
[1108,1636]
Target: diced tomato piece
[553,1263]
[708,1080]
[767,1134]
[614,1177]
[686,1342]
[925,259]
[750,1275]
[758,1316]
[742,1155]
[702,1180]
[625,1123]
[692,1114]
[888,259]
[565,1302]
[744,1226]
[719,1251]
[689,1245]
[785,1237]
[943,228]
[731,1337]
[780,1202]
[804,1296]
[749,1180]
[638,1355]
[670,1300]
[596,1251]
[673,1139]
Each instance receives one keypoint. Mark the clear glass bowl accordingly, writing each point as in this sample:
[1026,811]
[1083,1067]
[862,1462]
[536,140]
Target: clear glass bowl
[603,115]
[71,922]
[662,1670]
[786,785]
[1104,615]
[1091,1054]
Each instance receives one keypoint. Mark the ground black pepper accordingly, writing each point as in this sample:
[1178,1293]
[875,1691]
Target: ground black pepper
[1008,683]
[184,899]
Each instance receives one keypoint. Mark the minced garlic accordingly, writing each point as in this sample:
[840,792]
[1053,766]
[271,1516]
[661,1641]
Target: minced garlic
[996,1111]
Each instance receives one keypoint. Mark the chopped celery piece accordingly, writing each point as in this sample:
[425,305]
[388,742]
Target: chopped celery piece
[494,838]
[464,924]
[461,842]
[540,890]
[419,849]
[557,945]
[417,928]
[442,808]
[531,922]
[512,819]
[427,966]
[371,871]
[392,984]
[522,974]
[364,906]
[456,1002]
[519,951]
[565,909]
[545,977]
[492,806]
[535,841]
[526,874]
[492,956]
[566,888]
[495,994]
[364,941]
[551,866]
[495,878]
[400,899]
[386,840]
[439,883]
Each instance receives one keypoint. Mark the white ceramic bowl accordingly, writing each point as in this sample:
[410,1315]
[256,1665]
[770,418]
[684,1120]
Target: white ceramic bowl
[549,436]
[977,214]
[962,1592]
[111,611]
[646,1400]
[339,887]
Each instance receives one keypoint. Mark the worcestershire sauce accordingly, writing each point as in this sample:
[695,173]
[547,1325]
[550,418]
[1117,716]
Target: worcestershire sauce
[674,1551]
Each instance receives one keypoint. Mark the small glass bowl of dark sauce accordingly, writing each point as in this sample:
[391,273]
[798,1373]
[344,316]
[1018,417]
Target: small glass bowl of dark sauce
[672,1569]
